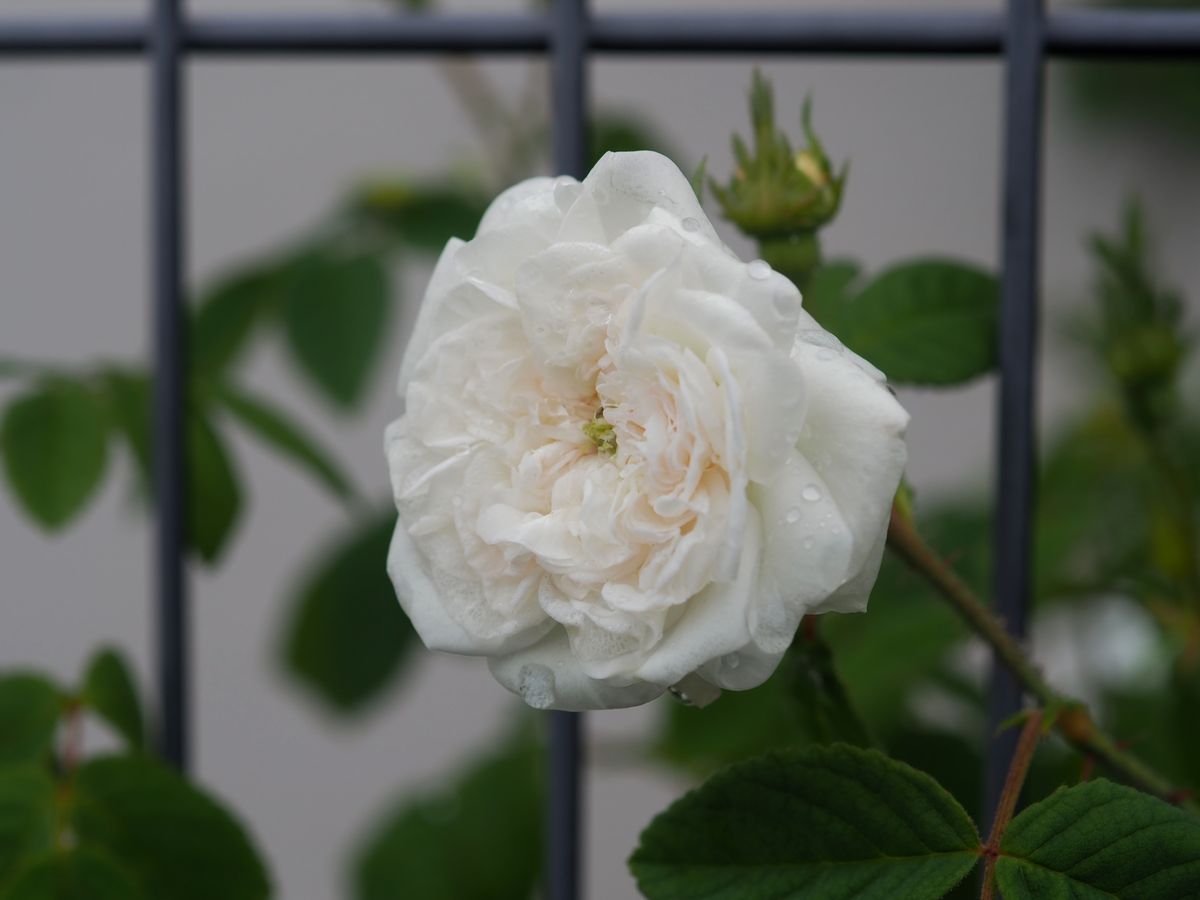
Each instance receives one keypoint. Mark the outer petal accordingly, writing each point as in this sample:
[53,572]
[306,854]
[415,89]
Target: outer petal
[548,676]
[626,188]
[853,435]
[714,623]
[827,513]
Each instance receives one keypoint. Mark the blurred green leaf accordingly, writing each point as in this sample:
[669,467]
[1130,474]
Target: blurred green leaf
[55,443]
[26,816]
[822,822]
[478,838]
[30,706]
[830,288]
[1100,839]
[820,697]
[922,322]
[176,841]
[1093,507]
[77,874]
[422,216]
[128,394]
[109,691]
[346,635]
[737,726]
[623,132]
[228,313]
[274,428]
[215,496]
[335,316]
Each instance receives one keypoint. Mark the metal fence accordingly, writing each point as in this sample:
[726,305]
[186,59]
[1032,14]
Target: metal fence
[1024,34]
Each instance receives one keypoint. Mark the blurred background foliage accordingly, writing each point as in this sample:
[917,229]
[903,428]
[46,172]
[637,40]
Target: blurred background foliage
[1117,581]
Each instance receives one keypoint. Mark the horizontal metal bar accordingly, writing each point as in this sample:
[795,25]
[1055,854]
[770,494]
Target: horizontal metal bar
[952,33]
[504,33]
[1118,33]
[1147,34]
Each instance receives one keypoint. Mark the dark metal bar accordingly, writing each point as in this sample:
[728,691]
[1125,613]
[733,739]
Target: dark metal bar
[568,116]
[170,377]
[1116,33]
[505,33]
[1016,420]
[1147,34]
[951,33]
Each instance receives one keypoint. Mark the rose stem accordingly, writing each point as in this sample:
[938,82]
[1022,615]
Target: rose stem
[1017,771]
[1071,717]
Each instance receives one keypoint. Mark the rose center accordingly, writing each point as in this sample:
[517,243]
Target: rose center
[601,434]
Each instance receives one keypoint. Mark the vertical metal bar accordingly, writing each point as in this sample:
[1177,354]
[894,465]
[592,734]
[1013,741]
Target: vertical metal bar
[1016,422]
[170,374]
[568,111]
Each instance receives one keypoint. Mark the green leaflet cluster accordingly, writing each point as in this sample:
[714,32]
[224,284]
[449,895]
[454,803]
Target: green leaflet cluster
[114,827]
[839,822]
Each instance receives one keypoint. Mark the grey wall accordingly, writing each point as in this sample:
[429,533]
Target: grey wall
[272,145]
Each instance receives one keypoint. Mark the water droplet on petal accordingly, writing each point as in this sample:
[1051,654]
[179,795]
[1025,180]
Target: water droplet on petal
[808,543]
[566,192]
[535,683]
[731,660]
[819,337]
[690,224]
[758,270]
[793,515]
[811,493]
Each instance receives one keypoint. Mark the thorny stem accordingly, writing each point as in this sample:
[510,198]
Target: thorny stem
[1017,771]
[1071,717]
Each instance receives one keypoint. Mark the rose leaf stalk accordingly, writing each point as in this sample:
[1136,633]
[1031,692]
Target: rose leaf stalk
[1072,719]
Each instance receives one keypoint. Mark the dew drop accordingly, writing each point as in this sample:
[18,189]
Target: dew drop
[793,515]
[690,224]
[758,270]
[566,192]
[819,337]
[808,543]
[811,493]
[535,683]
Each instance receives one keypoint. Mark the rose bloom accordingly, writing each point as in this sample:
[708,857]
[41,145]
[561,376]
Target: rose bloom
[629,461]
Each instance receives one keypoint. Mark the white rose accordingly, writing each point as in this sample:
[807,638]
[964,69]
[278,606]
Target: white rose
[629,461]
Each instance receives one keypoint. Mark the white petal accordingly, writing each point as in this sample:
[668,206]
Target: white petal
[547,676]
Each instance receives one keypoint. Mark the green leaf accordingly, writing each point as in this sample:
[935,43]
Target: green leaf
[479,838]
[26,816]
[55,444]
[830,288]
[78,874]
[274,428]
[227,315]
[335,315]
[214,494]
[823,822]
[922,322]
[737,726]
[347,636]
[109,691]
[128,395]
[174,839]
[422,216]
[30,706]
[825,707]
[1100,840]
